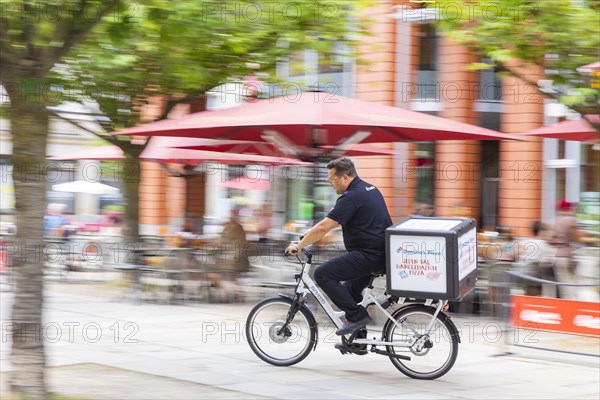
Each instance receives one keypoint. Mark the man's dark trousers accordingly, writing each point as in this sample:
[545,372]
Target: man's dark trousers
[354,268]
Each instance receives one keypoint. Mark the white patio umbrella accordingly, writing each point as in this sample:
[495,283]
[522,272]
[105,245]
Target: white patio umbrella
[85,187]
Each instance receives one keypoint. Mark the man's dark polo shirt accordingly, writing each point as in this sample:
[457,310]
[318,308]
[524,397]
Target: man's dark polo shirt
[364,217]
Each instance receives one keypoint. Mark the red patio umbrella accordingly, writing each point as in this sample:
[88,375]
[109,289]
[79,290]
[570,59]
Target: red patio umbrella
[586,69]
[246,183]
[158,150]
[263,148]
[302,125]
[577,130]
[161,149]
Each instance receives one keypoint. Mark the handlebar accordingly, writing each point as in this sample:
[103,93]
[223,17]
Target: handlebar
[308,255]
[305,251]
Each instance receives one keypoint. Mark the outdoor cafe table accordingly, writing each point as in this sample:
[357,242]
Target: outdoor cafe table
[141,276]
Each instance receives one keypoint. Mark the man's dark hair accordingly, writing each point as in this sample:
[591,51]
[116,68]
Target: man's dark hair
[342,166]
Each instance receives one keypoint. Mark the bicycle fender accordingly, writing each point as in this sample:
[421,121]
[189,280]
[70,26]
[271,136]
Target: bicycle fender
[443,316]
[310,316]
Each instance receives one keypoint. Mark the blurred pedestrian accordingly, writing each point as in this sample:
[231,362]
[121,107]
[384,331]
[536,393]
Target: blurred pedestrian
[561,237]
[55,220]
[111,225]
[535,260]
[417,210]
[232,248]
[423,210]
[508,244]
[263,223]
[427,209]
[233,244]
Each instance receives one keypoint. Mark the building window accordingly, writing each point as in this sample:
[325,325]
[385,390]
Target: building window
[333,61]
[490,177]
[428,48]
[489,102]
[490,87]
[425,165]
[588,210]
[490,116]
[427,75]
[309,196]
[590,168]
[561,149]
[490,120]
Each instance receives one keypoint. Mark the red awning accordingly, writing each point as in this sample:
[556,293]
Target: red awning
[577,130]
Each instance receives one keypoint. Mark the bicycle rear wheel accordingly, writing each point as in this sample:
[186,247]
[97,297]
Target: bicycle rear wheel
[271,343]
[432,354]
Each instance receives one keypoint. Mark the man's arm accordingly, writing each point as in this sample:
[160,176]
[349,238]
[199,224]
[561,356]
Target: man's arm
[313,234]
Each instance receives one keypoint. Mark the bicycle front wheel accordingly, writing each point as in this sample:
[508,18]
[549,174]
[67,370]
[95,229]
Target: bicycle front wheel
[275,343]
[432,352]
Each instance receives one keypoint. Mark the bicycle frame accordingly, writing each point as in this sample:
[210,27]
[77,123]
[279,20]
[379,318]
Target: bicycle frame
[305,285]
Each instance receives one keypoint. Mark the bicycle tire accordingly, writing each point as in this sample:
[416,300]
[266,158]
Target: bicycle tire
[440,349]
[275,347]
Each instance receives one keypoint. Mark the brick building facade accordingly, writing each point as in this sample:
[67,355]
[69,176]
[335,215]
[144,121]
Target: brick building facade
[410,65]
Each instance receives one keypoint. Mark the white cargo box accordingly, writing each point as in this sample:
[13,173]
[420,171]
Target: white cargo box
[433,258]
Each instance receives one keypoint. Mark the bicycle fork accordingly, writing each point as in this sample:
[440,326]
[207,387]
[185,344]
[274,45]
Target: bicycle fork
[296,305]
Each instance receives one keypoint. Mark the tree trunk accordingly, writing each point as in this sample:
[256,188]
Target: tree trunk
[29,126]
[131,183]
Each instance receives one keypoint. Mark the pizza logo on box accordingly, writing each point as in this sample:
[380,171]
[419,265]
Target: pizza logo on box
[433,275]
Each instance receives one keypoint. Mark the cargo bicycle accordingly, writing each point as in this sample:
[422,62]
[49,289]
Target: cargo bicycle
[418,337]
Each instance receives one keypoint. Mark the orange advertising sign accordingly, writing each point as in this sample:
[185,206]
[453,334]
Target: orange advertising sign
[556,315]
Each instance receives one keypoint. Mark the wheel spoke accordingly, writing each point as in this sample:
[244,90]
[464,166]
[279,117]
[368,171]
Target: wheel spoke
[286,348]
[433,352]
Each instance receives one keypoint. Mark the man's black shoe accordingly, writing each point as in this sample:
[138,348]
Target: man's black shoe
[342,348]
[360,349]
[351,326]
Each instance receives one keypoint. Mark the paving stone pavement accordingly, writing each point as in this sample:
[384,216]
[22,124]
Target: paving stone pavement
[101,345]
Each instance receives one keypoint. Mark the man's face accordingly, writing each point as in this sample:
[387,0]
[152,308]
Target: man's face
[339,183]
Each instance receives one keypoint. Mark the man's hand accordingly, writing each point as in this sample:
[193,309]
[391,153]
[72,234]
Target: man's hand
[292,249]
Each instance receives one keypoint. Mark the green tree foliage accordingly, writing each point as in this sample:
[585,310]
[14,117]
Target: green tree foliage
[559,35]
[182,49]
[120,53]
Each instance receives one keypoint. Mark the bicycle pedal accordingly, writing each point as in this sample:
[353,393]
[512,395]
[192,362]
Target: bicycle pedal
[344,349]
[360,350]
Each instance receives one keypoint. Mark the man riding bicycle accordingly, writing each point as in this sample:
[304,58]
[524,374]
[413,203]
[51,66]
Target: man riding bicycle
[364,217]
